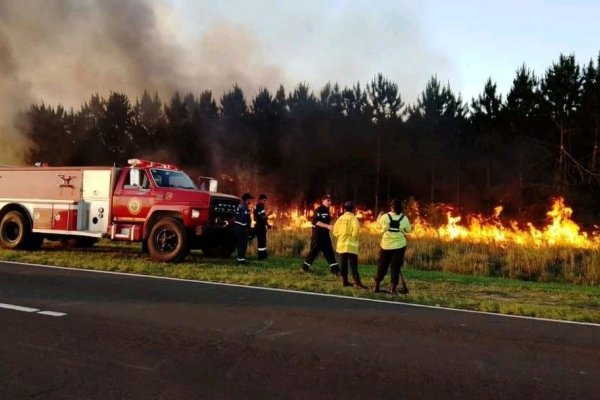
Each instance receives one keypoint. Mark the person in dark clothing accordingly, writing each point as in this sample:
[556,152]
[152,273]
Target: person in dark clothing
[320,240]
[242,227]
[261,224]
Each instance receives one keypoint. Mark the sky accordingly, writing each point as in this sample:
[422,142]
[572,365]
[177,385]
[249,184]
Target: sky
[463,42]
[63,51]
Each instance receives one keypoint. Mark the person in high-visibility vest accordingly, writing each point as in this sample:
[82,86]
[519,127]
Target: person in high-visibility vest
[319,239]
[393,225]
[346,229]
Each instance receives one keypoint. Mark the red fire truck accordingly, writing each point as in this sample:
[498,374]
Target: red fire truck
[149,202]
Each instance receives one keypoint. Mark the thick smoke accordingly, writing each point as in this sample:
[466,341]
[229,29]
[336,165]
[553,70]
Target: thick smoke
[14,95]
[62,51]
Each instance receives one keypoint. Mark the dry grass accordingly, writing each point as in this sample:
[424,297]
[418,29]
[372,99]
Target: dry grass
[552,264]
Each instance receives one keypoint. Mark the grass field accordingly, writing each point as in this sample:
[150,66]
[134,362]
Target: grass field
[548,264]
[479,286]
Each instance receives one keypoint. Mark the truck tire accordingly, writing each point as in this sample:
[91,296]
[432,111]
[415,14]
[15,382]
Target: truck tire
[15,231]
[168,241]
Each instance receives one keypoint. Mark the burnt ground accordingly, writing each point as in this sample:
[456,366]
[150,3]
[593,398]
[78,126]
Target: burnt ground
[129,337]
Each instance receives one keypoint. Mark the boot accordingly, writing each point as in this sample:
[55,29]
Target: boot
[376,288]
[344,274]
[305,266]
[357,283]
[404,289]
[335,269]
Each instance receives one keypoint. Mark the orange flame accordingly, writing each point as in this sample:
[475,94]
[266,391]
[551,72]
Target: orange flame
[560,229]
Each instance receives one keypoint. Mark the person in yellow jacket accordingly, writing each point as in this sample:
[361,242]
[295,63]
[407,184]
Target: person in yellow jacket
[346,230]
[393,225]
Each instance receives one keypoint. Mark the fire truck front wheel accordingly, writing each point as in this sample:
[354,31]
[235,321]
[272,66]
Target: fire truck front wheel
[15,231]
[168,241]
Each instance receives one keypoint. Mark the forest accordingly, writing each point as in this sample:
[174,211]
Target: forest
[362,142]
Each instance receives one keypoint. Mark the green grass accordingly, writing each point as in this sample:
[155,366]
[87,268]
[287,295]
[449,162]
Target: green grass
[555,300]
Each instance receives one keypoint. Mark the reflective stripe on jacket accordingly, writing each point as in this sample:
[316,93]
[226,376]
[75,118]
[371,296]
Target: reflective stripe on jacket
[242,216]
[393,240]
[346,230]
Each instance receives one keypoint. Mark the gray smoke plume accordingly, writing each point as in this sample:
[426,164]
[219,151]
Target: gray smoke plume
[62,51]
[14,95]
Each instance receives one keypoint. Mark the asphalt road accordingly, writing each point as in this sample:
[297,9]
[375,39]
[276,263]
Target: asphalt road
[124,337]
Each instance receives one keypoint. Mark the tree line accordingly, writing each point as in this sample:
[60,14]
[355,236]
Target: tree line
[361,142]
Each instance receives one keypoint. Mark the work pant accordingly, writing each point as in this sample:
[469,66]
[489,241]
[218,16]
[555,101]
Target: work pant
[349,260]
[261,241]
[241,237]
[320,241]
[393,259]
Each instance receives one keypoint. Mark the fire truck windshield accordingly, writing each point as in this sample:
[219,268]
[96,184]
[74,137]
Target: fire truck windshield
[172,179]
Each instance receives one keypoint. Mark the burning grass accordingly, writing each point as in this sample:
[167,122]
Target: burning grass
[558,251]
[444,222]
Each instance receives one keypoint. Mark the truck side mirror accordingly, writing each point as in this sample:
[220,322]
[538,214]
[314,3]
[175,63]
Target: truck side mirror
[212,186]
[134,177]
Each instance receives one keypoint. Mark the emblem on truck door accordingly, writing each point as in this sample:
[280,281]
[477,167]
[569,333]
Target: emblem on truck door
[134,206]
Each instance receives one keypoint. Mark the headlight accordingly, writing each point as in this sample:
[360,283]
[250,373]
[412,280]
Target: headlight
[195,214]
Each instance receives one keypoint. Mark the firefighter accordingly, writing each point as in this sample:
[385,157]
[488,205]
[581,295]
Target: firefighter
[320,240]
[242,228]
[261,224]
[393,226]
[346,229]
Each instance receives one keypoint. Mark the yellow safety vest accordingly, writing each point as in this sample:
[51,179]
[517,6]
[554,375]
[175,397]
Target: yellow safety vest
[393,240]
[346,230]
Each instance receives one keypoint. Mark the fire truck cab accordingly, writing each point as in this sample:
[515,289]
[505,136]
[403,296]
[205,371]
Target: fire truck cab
[146,201]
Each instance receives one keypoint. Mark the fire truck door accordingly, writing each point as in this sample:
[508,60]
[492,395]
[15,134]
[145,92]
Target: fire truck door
[134,199]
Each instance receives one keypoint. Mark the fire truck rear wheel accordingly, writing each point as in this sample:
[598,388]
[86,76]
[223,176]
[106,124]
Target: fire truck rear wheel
[15,231]
[168,241]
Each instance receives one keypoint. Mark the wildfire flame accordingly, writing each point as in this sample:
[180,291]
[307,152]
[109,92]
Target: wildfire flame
[560,229]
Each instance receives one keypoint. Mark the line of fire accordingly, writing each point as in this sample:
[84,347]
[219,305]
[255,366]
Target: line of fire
[559,230]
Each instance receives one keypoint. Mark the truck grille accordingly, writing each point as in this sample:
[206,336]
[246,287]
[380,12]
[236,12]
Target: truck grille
[223,207]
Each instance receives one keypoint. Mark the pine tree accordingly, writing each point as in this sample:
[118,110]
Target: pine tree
[561,93]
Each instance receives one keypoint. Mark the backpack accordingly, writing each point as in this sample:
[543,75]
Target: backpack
[395,224]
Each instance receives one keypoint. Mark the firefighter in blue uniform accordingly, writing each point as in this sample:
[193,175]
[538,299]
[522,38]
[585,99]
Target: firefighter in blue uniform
[242,228]
[320,239]
[261,224]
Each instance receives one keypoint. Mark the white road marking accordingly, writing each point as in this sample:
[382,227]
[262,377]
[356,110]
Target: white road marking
[337,296]
[18,308]
[276,335]
[31,310]
[52,313]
